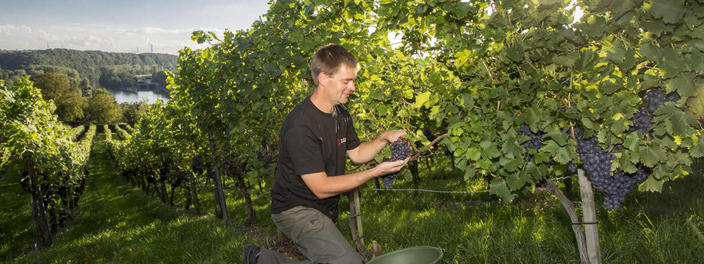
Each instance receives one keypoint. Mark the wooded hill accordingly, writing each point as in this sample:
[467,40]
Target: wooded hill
[87,69]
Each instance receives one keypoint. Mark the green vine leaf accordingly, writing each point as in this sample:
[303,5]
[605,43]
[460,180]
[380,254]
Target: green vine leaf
[499,188]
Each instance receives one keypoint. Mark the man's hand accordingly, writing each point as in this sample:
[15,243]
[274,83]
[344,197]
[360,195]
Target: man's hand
[390,166]
[366,151]
[392,135]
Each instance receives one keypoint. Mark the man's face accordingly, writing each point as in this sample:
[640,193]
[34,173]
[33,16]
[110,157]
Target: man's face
[340,84]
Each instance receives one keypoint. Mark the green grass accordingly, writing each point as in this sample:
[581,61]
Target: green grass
[118,223]
[15,216]
[650,227]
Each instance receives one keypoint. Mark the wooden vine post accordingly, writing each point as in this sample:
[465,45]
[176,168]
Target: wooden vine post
[552,188]
[356,224]
[589,218]
[587,241]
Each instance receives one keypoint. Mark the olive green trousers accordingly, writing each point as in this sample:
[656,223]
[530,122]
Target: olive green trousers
[316,236]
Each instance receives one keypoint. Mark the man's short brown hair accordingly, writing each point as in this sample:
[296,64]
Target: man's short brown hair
[327,59]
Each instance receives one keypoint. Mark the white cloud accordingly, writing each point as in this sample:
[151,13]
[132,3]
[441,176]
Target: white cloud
[98,37]
[10,30]
[120,26]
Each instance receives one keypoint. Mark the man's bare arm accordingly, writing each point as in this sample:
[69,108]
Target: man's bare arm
[324,186]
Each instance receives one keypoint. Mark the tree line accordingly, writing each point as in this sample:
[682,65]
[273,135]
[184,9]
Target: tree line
[86,69]
[74,108]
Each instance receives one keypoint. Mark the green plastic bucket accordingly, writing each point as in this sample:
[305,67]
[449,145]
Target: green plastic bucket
[412,255]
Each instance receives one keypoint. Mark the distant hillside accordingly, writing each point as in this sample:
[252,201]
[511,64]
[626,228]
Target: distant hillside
[85,68]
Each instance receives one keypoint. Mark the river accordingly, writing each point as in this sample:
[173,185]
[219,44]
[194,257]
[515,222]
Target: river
[149,96]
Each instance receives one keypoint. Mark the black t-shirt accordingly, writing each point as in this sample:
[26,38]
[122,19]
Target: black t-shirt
[311,141]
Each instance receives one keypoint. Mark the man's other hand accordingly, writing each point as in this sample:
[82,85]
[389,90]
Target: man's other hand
[390,166]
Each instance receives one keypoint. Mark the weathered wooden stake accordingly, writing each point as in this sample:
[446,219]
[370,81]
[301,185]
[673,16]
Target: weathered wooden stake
[358,210]
[552,188]
[589,217]
[356,224]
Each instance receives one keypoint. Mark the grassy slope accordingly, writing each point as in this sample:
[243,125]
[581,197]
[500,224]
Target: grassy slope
[15,216]
[118,223]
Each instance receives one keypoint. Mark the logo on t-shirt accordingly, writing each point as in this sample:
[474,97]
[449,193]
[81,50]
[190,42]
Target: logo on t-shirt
[340,141]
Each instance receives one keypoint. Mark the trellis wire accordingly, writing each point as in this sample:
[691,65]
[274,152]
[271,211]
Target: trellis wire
[453,192]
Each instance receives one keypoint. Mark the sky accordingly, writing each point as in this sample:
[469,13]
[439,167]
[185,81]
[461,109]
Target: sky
[158,26]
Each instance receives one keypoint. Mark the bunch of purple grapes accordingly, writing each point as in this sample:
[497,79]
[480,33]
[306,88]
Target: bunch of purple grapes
[535,141]
[597,164]
[653,99]
[400,149]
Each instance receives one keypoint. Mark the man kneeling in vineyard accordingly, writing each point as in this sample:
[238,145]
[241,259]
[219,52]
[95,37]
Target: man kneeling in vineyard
[316,138]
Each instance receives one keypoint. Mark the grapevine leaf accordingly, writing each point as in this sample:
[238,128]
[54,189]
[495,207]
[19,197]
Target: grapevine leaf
[515,181]
[567,61]
[671,11]
[511,148]
[667,142]
[698,150]
[463,57]
[542,157]
[608,87]
[699,44]
[587,123]
[650,51]
[673,62]
[652,156]
[631,142]
[616,55]
[490,149]
[595,28]
[422,98]
[563,156]
[485,164]
[619,125]
[635,156]
[511,165]
[532,118]
[683,84]
[587,60]
[692,21]
[558,136]
[666,127]
[678,119]
[473,153]
[626,164]
[499,188]
[698,62]
[515,53]
[651,185]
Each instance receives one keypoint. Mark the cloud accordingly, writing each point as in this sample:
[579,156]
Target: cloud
[12,29]
[98,37]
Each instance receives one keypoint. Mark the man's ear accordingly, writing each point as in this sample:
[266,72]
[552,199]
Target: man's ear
[322,77]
